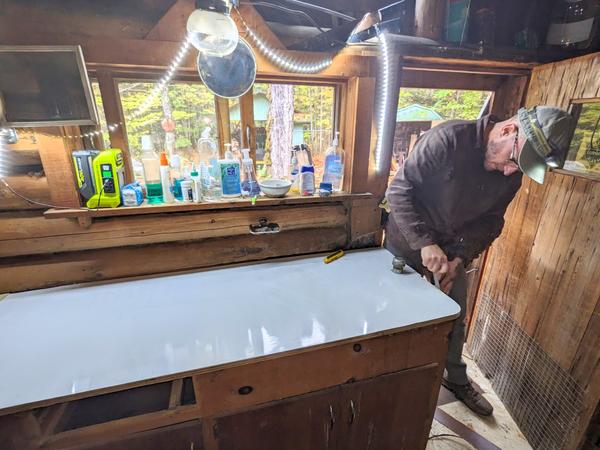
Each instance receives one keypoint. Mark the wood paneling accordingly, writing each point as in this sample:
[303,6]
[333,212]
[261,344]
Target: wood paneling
[543,268]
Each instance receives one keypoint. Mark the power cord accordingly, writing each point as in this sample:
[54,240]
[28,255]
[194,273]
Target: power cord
[48,205]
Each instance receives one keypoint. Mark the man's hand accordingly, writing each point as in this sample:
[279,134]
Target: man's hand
[435,260]
[447,280]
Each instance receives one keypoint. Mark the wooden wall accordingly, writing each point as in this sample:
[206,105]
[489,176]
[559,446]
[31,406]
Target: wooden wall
[544,268]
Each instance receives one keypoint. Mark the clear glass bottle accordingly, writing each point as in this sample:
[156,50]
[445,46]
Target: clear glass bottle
[250,187]
[334,164]
[151,164]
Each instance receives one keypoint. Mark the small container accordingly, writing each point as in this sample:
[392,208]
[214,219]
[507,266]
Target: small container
[187,191]
[325,189]
[197,188]
[132,194]
[229,169]
[151,165]
[250,187]
[307,180]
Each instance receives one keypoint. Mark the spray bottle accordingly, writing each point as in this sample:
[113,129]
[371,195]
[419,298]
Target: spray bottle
[294,173]
[249,184]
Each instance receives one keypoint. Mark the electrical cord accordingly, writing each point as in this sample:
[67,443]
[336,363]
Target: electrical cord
[48,205]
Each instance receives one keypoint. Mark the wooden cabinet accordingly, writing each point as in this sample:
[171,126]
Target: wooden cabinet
[183,436]
[386,412]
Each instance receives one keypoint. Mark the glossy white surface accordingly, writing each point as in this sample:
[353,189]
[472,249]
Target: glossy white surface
[61,341]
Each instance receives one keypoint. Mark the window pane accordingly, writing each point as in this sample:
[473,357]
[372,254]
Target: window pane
[289,115]
[422,109]
[190,105]
[101,115]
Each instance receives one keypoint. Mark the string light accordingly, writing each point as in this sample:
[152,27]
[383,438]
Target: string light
[384,98]
[281,61]
[164,81]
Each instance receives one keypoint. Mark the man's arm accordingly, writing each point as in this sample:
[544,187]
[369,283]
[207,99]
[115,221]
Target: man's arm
[476,236]
[428,157]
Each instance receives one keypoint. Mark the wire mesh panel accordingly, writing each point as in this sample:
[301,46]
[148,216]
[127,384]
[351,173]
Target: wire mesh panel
[544,400]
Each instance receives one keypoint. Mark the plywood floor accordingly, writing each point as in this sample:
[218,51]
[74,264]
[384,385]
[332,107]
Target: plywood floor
[472,431]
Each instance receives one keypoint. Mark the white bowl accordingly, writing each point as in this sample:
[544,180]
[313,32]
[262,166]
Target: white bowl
[275,188]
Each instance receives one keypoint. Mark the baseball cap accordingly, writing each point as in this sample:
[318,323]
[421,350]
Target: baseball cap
[548,131]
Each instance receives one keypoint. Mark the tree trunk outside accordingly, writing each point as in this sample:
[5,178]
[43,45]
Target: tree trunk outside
[281,115]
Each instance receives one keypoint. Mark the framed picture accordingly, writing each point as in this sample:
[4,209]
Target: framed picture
[584,151]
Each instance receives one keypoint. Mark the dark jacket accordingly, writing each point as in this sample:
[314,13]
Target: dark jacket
[443,195]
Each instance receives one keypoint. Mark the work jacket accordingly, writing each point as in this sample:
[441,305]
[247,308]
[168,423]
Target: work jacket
[443,195]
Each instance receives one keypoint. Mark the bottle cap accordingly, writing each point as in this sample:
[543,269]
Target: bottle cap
[163,159]
[194,173]
[326,186]
[307,169]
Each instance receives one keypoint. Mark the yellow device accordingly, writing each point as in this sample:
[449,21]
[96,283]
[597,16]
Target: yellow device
[333,256]
[109,178]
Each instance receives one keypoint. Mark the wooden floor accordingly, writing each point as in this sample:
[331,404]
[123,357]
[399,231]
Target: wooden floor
[472,431]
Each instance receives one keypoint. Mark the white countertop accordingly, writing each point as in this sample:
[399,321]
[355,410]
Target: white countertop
[62,341]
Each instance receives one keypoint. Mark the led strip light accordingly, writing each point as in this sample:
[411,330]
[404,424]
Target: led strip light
[283,62]
[384,98]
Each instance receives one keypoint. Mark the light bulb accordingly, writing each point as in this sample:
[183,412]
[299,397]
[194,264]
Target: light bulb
[212,33]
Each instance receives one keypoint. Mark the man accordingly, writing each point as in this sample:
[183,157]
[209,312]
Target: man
[448,200]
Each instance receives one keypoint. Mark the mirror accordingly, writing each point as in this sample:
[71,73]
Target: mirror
[229,76]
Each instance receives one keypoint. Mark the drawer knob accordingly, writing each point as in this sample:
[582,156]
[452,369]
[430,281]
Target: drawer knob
[245,390]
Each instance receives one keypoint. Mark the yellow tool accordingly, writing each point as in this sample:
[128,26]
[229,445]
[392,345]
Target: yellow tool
[333,256]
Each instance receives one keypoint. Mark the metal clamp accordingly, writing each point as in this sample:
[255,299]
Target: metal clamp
[264,227]
[398,264]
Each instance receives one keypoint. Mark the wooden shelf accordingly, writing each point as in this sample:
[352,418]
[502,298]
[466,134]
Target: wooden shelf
[84,213]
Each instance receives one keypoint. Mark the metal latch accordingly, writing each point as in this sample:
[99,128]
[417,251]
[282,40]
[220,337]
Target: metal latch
[264,227]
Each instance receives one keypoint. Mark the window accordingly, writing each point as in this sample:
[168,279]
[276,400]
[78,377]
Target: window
[101,115]
[286,115]
[422,109]
[191,107]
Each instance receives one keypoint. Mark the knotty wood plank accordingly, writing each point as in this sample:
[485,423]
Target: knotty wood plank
[35,235]
[32,272]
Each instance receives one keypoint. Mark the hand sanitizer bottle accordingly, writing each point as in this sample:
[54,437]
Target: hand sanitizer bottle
[294,173]
[229,169]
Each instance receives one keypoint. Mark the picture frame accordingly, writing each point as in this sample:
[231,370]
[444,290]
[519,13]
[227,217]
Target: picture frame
[583,157]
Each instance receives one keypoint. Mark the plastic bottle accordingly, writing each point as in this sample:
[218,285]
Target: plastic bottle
[229,169]
[151,165]
[249,184]
[165,179]
[197,188]
[334,165]
[176,176]
[187,190]
[294,173]
[307,180]
[211,191]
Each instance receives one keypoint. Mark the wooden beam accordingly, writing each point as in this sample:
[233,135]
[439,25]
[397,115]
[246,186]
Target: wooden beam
[247,125]
[509,97]
[223,124]
[430,17]
[58,167]
[172,26]
[257,24]
[113,111]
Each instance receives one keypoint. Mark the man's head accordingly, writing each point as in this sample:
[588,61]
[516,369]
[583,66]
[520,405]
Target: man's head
[531,141]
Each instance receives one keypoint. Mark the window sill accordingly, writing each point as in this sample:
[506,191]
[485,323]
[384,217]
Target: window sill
[88,214]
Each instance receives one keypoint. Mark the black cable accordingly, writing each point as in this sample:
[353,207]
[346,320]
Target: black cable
[101,192]
[34,202]
[436,436]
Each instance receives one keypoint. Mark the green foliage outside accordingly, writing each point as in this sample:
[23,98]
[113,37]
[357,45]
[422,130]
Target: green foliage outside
[585,146]
[450,104]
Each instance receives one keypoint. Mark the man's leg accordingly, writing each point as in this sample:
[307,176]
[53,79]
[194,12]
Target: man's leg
[455,366]
[456,370]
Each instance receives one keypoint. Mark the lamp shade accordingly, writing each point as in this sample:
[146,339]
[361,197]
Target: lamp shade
[212,33]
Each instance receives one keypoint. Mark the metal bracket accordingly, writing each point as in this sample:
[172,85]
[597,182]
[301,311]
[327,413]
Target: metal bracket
[264,227]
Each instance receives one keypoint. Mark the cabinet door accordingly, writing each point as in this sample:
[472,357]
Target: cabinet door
[389,412]
[306,422]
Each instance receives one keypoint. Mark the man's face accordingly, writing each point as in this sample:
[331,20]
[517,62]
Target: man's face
[503,151]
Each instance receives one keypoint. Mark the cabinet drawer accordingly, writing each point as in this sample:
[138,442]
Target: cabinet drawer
[285,376]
